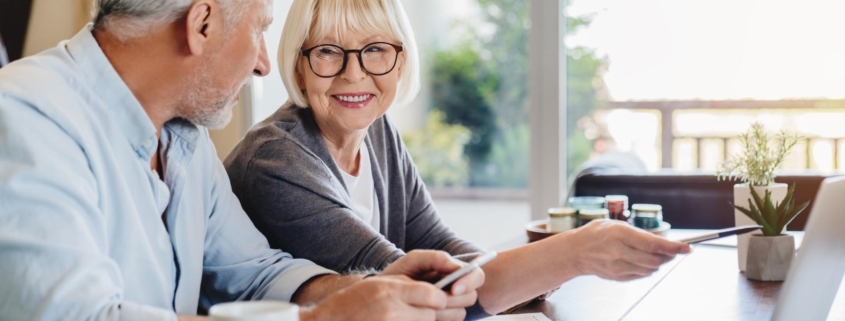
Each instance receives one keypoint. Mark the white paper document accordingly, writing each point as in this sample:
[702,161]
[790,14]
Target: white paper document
[519,317]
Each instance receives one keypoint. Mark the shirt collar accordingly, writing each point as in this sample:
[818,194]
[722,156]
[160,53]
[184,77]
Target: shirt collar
[185,130]
[118,99]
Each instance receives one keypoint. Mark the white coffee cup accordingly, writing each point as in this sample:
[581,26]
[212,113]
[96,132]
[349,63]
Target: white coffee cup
[254,311]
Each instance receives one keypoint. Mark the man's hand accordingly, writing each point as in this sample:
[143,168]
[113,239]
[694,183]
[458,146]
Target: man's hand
[617,251]
[403,291]
[430,266]
[381,298]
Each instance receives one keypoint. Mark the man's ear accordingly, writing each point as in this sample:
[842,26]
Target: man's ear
[199,25]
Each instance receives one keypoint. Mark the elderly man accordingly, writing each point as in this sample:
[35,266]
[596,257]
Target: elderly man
[113,205]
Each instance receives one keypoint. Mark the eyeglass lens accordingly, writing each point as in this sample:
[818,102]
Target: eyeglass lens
[377,58]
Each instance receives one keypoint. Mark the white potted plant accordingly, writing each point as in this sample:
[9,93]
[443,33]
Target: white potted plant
[755,167]
[770,253]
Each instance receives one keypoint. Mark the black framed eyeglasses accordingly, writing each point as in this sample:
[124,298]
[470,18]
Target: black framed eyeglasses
[377,58]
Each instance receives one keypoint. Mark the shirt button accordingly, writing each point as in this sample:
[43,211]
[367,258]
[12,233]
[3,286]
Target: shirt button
[148,143]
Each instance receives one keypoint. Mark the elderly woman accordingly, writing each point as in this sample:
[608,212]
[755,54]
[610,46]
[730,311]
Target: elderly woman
[328,178]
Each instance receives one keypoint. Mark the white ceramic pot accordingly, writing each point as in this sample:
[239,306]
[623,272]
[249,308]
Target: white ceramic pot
[742,193]
[769,257]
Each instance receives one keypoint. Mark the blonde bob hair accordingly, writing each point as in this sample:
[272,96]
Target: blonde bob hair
[318,19]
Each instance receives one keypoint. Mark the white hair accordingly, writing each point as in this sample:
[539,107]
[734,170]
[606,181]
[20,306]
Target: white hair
[315,19]
[128,19]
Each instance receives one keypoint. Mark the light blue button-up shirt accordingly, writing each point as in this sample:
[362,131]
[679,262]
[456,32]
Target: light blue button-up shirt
[89,232]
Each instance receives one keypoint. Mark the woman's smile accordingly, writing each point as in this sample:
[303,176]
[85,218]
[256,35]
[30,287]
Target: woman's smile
[356,100]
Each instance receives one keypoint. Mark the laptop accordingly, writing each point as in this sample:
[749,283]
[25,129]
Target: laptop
[815,275]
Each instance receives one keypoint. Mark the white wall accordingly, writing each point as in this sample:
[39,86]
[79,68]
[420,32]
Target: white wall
[52,21]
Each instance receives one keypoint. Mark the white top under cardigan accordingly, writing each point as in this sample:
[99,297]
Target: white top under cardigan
[362,190]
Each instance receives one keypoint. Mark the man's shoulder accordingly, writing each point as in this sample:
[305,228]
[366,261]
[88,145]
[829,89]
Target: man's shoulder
[49,83]
[40,76]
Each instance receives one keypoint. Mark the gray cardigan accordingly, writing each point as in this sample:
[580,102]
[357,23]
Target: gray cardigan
[291,188]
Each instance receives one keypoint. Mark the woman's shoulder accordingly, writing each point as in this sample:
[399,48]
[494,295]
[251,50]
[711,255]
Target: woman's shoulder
[286,134]
[386,140]
[383,132]
[285,120]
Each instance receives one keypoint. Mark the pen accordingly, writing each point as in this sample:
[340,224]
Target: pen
[474,264]
[721,233]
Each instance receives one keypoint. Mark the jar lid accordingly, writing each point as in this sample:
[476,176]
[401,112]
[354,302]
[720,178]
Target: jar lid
[616,198]
[561,211]
[586,200]
[646,207]
[593,213]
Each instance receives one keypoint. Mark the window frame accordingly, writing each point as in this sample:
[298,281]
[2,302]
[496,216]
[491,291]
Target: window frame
[547,90]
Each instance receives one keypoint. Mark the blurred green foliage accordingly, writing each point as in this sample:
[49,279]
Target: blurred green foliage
[462,89]
[438,151]
[583,83]
[481,85]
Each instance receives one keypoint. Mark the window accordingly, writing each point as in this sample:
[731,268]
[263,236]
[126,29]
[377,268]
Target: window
[671,83]
[468,130]
[469,126]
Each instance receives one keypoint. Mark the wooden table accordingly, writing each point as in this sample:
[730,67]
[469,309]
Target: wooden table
[704,285]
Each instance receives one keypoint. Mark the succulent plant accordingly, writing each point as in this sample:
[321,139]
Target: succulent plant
[773,217]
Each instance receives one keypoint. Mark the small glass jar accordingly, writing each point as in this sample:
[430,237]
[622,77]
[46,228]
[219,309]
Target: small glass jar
[561,219]
[646,216]
[617,206]
[587,215]
[584,202]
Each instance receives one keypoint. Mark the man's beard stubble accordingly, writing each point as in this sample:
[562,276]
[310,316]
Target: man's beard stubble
[205,104]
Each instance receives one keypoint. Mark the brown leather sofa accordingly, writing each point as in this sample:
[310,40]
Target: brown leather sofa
[693,201]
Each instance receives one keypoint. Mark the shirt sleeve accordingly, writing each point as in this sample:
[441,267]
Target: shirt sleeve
[238,262]
[54,262]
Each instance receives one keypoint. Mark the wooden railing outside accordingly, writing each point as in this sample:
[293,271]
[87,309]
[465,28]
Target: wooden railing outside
[668,108]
